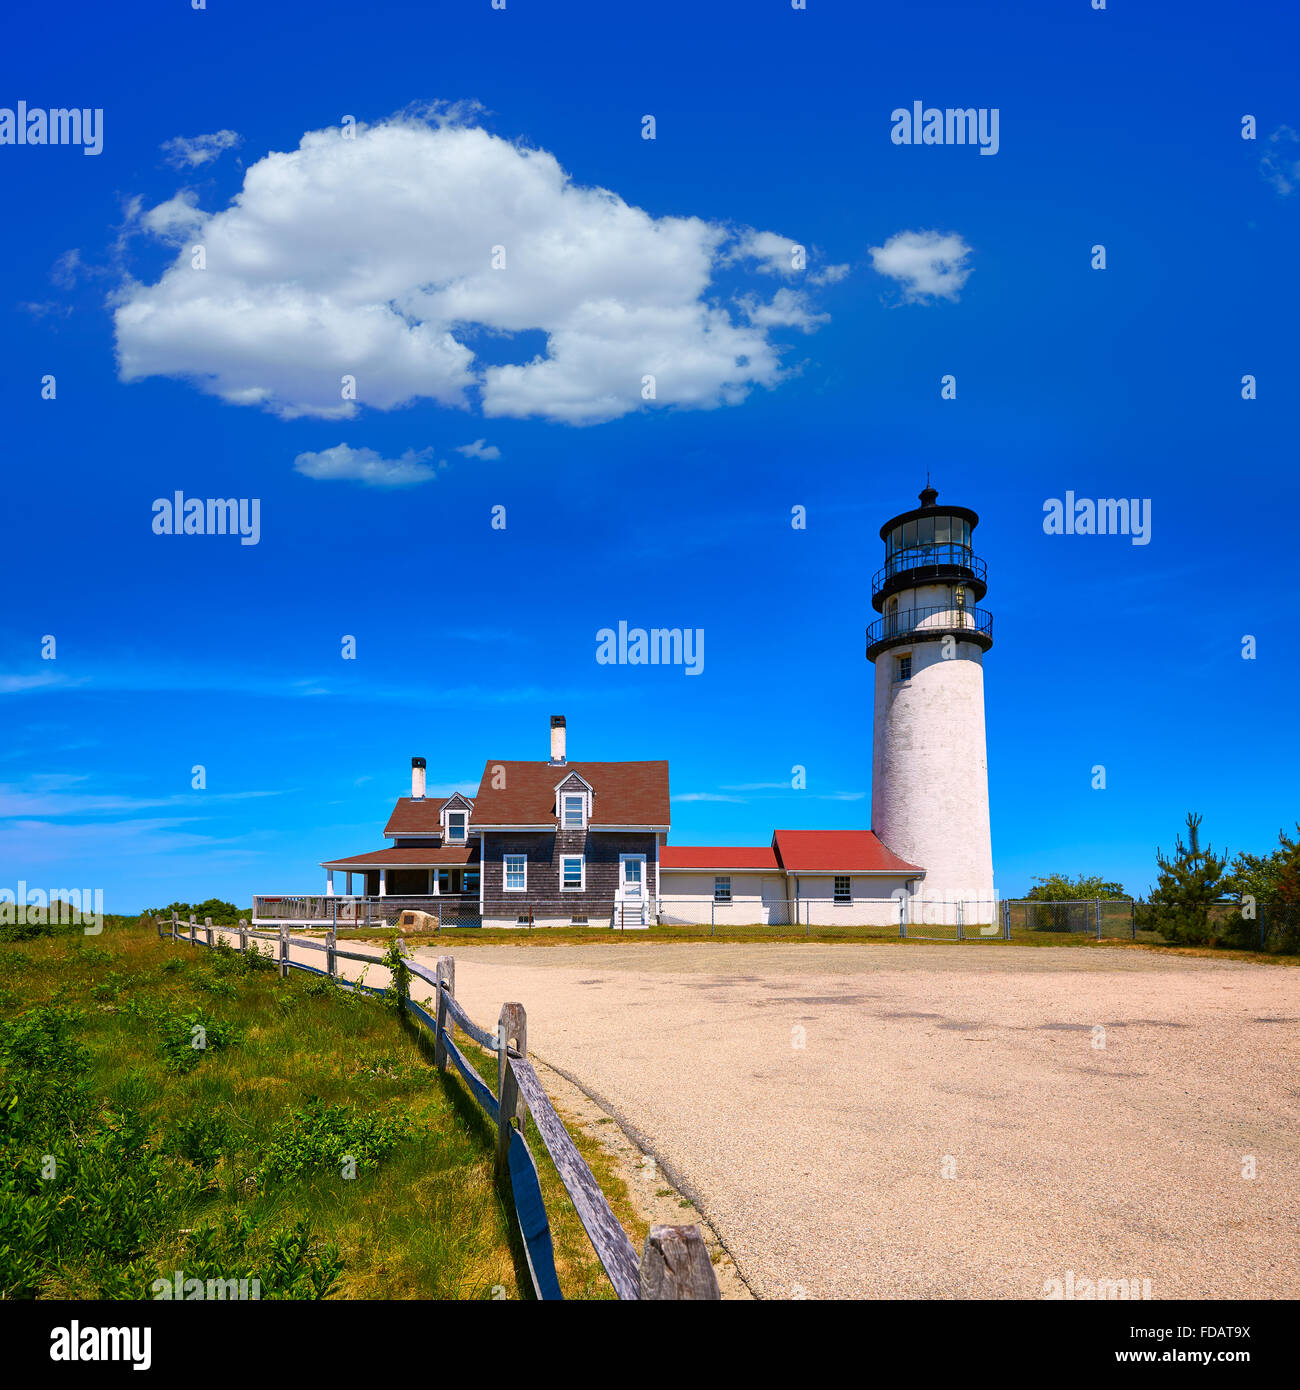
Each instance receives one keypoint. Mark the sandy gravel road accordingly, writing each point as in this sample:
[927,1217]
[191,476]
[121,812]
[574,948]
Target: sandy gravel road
[825,1166]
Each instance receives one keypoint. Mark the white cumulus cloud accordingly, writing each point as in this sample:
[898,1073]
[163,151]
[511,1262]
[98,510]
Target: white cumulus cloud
[928,265]
[376,258]
[342,462]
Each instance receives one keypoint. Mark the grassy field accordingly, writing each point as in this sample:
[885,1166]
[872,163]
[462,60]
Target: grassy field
[308,1142]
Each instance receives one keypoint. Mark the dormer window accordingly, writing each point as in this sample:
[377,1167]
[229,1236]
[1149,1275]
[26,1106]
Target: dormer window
[575,811]
[457,823]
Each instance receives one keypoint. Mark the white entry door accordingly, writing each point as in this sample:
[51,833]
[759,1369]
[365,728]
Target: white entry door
[631,875]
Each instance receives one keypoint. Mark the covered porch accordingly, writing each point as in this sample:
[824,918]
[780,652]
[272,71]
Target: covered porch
[369,889]
[407,871]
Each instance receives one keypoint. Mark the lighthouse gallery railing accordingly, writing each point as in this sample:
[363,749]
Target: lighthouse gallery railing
[943,619]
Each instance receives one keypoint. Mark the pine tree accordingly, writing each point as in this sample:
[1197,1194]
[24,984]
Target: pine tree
[1189,883]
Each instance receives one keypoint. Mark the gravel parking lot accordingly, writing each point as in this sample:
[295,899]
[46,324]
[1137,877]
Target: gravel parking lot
[924,1121]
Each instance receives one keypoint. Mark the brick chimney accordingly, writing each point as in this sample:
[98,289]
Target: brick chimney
[417,778]
[557,740]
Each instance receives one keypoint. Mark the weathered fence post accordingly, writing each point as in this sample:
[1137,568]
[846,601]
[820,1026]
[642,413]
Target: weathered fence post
[175,924]
[512,1027]
[207,927]
[676,1264]
[331,945]
[284,952]
[194,930]
[243,935]
[446,974]
[158,926]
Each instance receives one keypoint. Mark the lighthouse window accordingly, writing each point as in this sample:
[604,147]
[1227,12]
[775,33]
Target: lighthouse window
[925,530]
[903,668]
[942,533]
[960,595]
[909,535]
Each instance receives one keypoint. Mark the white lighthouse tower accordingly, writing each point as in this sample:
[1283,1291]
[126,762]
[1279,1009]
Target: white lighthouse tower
[929,777]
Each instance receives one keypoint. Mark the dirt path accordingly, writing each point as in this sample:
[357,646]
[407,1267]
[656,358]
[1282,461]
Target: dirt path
[932,1121]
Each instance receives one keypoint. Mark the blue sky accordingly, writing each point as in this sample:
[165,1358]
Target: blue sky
[818,388]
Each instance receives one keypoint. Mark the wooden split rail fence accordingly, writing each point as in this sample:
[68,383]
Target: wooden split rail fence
[675,1262]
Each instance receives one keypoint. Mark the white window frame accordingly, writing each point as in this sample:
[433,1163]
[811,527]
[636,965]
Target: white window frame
[505,873]
[721,878]
[581,798]
[455,805]
[835,889]
[581,885]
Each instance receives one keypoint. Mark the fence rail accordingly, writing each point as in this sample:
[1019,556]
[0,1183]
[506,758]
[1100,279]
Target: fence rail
[674,1263]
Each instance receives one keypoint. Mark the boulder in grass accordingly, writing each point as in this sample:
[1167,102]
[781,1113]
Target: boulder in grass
[414,920]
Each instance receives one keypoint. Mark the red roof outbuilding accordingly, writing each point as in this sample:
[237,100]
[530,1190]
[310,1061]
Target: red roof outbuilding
[718,857]
[838,852]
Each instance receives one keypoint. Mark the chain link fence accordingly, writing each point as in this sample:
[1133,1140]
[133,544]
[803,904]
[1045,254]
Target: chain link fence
[885,918]
[1099,917]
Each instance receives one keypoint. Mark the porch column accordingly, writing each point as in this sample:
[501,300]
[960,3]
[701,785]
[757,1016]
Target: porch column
[329,882]
[433,881]
[349,873]
[383,883]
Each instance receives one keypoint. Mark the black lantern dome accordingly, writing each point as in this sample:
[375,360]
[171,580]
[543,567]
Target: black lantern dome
[930,545]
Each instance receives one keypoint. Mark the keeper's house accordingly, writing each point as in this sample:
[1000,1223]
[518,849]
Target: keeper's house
[556,843]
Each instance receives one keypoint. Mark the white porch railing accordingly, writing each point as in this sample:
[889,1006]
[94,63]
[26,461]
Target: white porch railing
[343,909]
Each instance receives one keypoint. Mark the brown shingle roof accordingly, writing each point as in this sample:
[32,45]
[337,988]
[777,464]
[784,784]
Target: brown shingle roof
[417,854]
[622,793]
[411,817]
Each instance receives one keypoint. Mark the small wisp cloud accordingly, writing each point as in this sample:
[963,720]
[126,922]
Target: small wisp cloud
[344,463]
[927,265]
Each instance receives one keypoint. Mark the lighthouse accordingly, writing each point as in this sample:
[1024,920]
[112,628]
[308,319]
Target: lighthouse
[929,776]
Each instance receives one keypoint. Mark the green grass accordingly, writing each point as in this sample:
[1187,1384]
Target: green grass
[129,1153]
